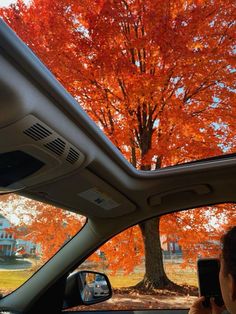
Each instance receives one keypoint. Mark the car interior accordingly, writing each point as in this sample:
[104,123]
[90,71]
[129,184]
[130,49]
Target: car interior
[52,152]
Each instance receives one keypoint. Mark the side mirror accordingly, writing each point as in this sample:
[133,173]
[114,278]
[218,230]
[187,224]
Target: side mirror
[86,288]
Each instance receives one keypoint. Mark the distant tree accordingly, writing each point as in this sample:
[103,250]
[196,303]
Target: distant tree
[47,226]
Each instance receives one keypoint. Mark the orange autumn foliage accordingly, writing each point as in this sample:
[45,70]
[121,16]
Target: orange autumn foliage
[45,225]
[197,231]
[157,76]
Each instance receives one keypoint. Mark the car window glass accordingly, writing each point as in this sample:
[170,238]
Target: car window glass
[135,270]
[31,232]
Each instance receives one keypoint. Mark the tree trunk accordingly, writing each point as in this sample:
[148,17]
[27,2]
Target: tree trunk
[155,276]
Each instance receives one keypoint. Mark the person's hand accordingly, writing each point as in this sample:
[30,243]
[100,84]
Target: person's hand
[215,309]
[198,308]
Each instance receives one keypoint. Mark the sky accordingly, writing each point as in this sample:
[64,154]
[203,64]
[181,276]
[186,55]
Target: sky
[5,3]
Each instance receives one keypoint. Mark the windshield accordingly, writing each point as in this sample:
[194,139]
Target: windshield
[31,233]
[157,77]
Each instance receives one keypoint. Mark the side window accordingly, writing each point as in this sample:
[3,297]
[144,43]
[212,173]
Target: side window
[153,265]
[30,234]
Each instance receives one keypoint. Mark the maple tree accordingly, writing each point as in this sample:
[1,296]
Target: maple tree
[157,76]
[45,225]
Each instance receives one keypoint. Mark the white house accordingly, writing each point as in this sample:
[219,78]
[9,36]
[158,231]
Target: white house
[7,241]
[10,246]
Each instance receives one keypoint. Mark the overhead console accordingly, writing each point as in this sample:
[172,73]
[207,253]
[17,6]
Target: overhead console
[31,153]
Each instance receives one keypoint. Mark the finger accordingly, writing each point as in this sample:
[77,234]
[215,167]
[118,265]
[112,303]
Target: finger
[215,307]
[199,303]
[199,300]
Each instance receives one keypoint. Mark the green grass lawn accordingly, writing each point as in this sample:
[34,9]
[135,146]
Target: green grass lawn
[181,276]
[123,281]
[174,272]
[10,280]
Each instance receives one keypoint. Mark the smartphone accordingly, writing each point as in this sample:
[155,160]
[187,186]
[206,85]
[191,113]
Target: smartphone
[208,280]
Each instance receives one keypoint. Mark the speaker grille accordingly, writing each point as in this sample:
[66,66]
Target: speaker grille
[37,132]
[53,142]
[57,146]
[72,156]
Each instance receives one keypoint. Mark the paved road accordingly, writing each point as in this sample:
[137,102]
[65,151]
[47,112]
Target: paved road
[20,264]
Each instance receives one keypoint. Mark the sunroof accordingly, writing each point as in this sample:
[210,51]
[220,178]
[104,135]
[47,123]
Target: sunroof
[158,77]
